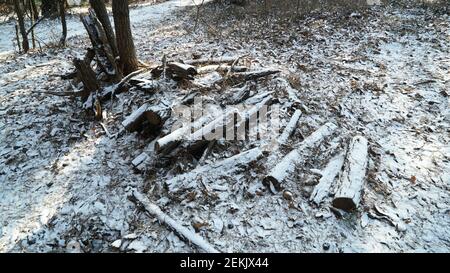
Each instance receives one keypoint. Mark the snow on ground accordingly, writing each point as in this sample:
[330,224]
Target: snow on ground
[64,183]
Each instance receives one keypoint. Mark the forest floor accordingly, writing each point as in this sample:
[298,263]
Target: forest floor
[383,73]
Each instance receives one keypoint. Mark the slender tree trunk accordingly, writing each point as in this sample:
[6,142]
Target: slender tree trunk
[125,44]
[32,19]
[20,19]
[102,15]
[62,12]
[35,10]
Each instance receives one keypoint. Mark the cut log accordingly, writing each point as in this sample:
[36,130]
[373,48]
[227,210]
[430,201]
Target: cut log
[290,127]
[156,115]
[179,71]
[220,60]
[352,180]
[288,164]
[165,219]
[140,161]
[213,171]
[331,171]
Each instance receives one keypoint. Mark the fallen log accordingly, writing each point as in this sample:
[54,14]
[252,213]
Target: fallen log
[220,68]
[203,61]
[253,75]
[290,127]
[213,171]
[288,164]
[156,115]
[352,180]
[331,171]
[171,140]
[165,219]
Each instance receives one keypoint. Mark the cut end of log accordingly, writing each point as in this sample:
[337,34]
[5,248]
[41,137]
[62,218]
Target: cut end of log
[153,118]
[344,203]
[271,180]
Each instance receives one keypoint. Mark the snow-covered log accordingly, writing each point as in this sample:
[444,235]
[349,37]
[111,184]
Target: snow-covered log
[213,171]
[290,127]
[165,219]
[331,171]
[171,140]
[352,180]
[287,165]
[155,114]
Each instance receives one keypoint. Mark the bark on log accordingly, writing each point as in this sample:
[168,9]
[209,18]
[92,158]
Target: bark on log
[352,180]
[156,115]
[331,171]
[165,219]
[288,164]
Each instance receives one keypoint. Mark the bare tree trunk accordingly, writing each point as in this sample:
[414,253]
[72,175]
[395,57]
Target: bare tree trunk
[62,12]
[32,19]
[35,10]
[125,44]
[102,15]
[23,32]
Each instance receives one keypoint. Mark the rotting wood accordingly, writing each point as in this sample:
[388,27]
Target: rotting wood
[105,57]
